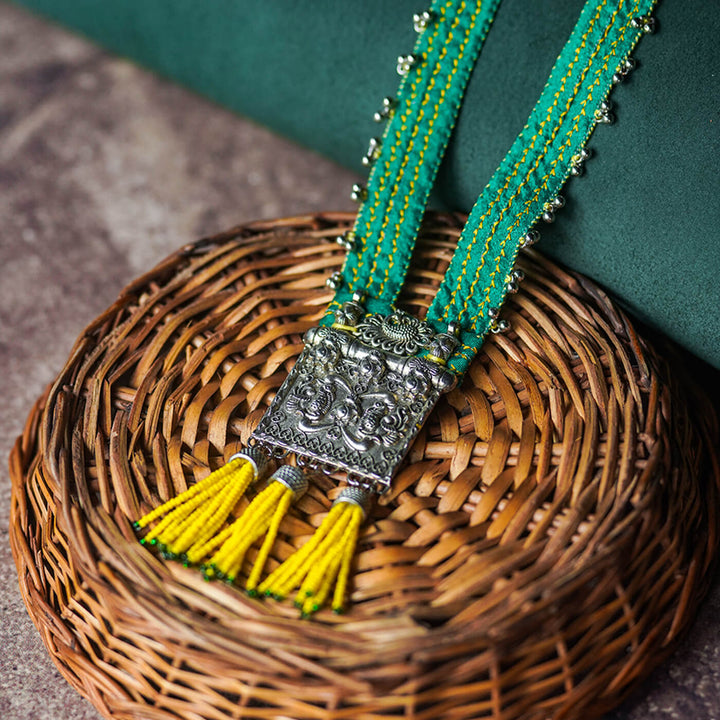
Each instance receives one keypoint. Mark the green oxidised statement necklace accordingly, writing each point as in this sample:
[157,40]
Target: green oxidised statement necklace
[370,374]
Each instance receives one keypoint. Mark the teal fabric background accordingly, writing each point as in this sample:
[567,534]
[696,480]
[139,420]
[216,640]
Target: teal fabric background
[643,220]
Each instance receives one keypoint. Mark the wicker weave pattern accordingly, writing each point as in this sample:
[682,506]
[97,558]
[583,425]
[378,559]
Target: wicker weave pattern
[546,543]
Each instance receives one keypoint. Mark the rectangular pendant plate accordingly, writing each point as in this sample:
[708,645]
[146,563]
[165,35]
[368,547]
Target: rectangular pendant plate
[357,397]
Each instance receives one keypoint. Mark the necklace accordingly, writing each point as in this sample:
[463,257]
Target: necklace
[370,374]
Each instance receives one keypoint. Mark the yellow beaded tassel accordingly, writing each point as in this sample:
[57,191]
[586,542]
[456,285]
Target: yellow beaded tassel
[192,518]
[262,517]
[325,559]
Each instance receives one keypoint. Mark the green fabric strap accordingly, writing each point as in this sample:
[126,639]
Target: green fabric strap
[523,188]
[535,168]
[406,159]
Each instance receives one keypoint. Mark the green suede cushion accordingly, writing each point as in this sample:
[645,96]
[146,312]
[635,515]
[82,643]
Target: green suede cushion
[643,220]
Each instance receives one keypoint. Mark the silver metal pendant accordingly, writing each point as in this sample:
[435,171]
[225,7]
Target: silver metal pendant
[359,394]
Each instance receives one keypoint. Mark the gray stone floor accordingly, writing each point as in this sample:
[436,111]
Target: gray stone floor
[104,170]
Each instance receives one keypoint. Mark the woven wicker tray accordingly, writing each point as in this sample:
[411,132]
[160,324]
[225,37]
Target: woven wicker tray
[546,543]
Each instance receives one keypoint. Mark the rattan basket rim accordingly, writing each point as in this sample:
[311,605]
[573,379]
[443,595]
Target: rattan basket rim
[489,583]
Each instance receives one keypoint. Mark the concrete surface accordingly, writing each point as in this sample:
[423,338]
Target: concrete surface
[104,170]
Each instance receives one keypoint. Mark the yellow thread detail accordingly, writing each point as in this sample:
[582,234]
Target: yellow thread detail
[407,197]
[553,165]
[390,256]
[435,359]
[380,194]
[346,328]
[551,170]
[538,134]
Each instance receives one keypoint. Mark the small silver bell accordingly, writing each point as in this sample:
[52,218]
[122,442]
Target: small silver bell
[292,478]
[372,153]
[646,23]
[386,111]
[358,193]
[421,21]
[603,114]
[531,237]
[624,69]
[405,63]
[346,241]
[501,326]
[577,161]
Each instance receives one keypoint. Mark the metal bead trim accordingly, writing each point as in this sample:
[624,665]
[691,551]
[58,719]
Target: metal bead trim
[513,280]
[387,110]
[578,162]
[646,23]
[551,207]
[603,114]
[530,238]
[346,241]
[624,69]
[256,456]
[358,193]
[348,316]
[421,21]
[373,152]
[292,478]
[356,495]
[359,296]
[334,281]
[405,63]
[313,464]
[501,326]
[441,347]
